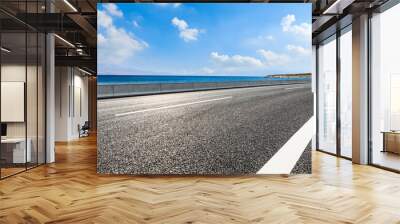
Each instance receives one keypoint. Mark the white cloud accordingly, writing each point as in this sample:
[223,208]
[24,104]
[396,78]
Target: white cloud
[269,59]
[218,57]
[208,70]
[235,60]
[104,20]
[101,39]
[234,64]
[246,60]
[298,49]
[175,5]
[180,23]
[273,58]
[135,24]
[186,33]
[269,37]
[116,45]
[288,25]
[260,41]
[263,38]
[112,9]
[261,64]
[287,21]
[189,34]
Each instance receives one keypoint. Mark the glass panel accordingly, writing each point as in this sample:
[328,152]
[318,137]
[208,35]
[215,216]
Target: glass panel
[13,87]
[31,99]
[385,114]
[32,88]
[2,161]
[77,110]
[346,93]
[41,98]
[327,96]
[23,90]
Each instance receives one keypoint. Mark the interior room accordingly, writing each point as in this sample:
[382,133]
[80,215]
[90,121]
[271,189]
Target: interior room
[385,90]
[71,111]
[22,99]
[48,156]
[338,54]
[42,77]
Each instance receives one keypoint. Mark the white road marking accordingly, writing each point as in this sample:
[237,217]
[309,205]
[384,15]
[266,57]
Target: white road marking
[301,87]
[172,106]
[286,158]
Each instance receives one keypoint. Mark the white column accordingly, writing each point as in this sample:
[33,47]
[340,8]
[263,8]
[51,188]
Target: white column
[50,99]
[63,101]
[360,90]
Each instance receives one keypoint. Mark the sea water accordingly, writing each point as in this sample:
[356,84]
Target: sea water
[151,79]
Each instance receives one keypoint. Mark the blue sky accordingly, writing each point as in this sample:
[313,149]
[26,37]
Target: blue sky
[203,39]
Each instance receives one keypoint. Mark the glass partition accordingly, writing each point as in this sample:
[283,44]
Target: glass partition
[385,89]
[346,92]
[13,94]
[31,99]
[22,88]
[41,97]
[327,95]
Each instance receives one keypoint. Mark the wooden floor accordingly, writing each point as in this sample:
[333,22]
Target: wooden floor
[5,172]
[70,191]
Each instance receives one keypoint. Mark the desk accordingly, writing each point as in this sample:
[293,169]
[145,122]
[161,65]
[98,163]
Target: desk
[16,147]
[391,141]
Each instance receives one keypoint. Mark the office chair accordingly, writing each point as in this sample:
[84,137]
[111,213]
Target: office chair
[84,130]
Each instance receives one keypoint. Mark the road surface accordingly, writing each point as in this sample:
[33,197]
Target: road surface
[230,132]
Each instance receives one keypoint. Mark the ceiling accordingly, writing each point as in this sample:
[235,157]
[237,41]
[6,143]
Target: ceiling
[73,21]
[330,15]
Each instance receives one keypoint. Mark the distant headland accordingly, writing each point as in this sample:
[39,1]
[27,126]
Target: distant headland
[294,75]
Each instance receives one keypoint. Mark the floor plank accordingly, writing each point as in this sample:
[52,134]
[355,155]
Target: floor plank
[70,191]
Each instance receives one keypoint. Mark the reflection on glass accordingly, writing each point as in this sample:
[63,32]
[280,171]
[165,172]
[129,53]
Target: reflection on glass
[385,114]
[31,101]
[346,93]
[41,98]
[327,96]
[14,153]
[394,102]
[22,91]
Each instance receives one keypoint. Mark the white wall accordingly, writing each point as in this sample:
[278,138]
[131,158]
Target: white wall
[33,126]
[70,83]
[62,82]
[13,100]
[79,117]
[12,73]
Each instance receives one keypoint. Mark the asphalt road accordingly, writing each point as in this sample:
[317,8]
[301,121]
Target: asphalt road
[230,132]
